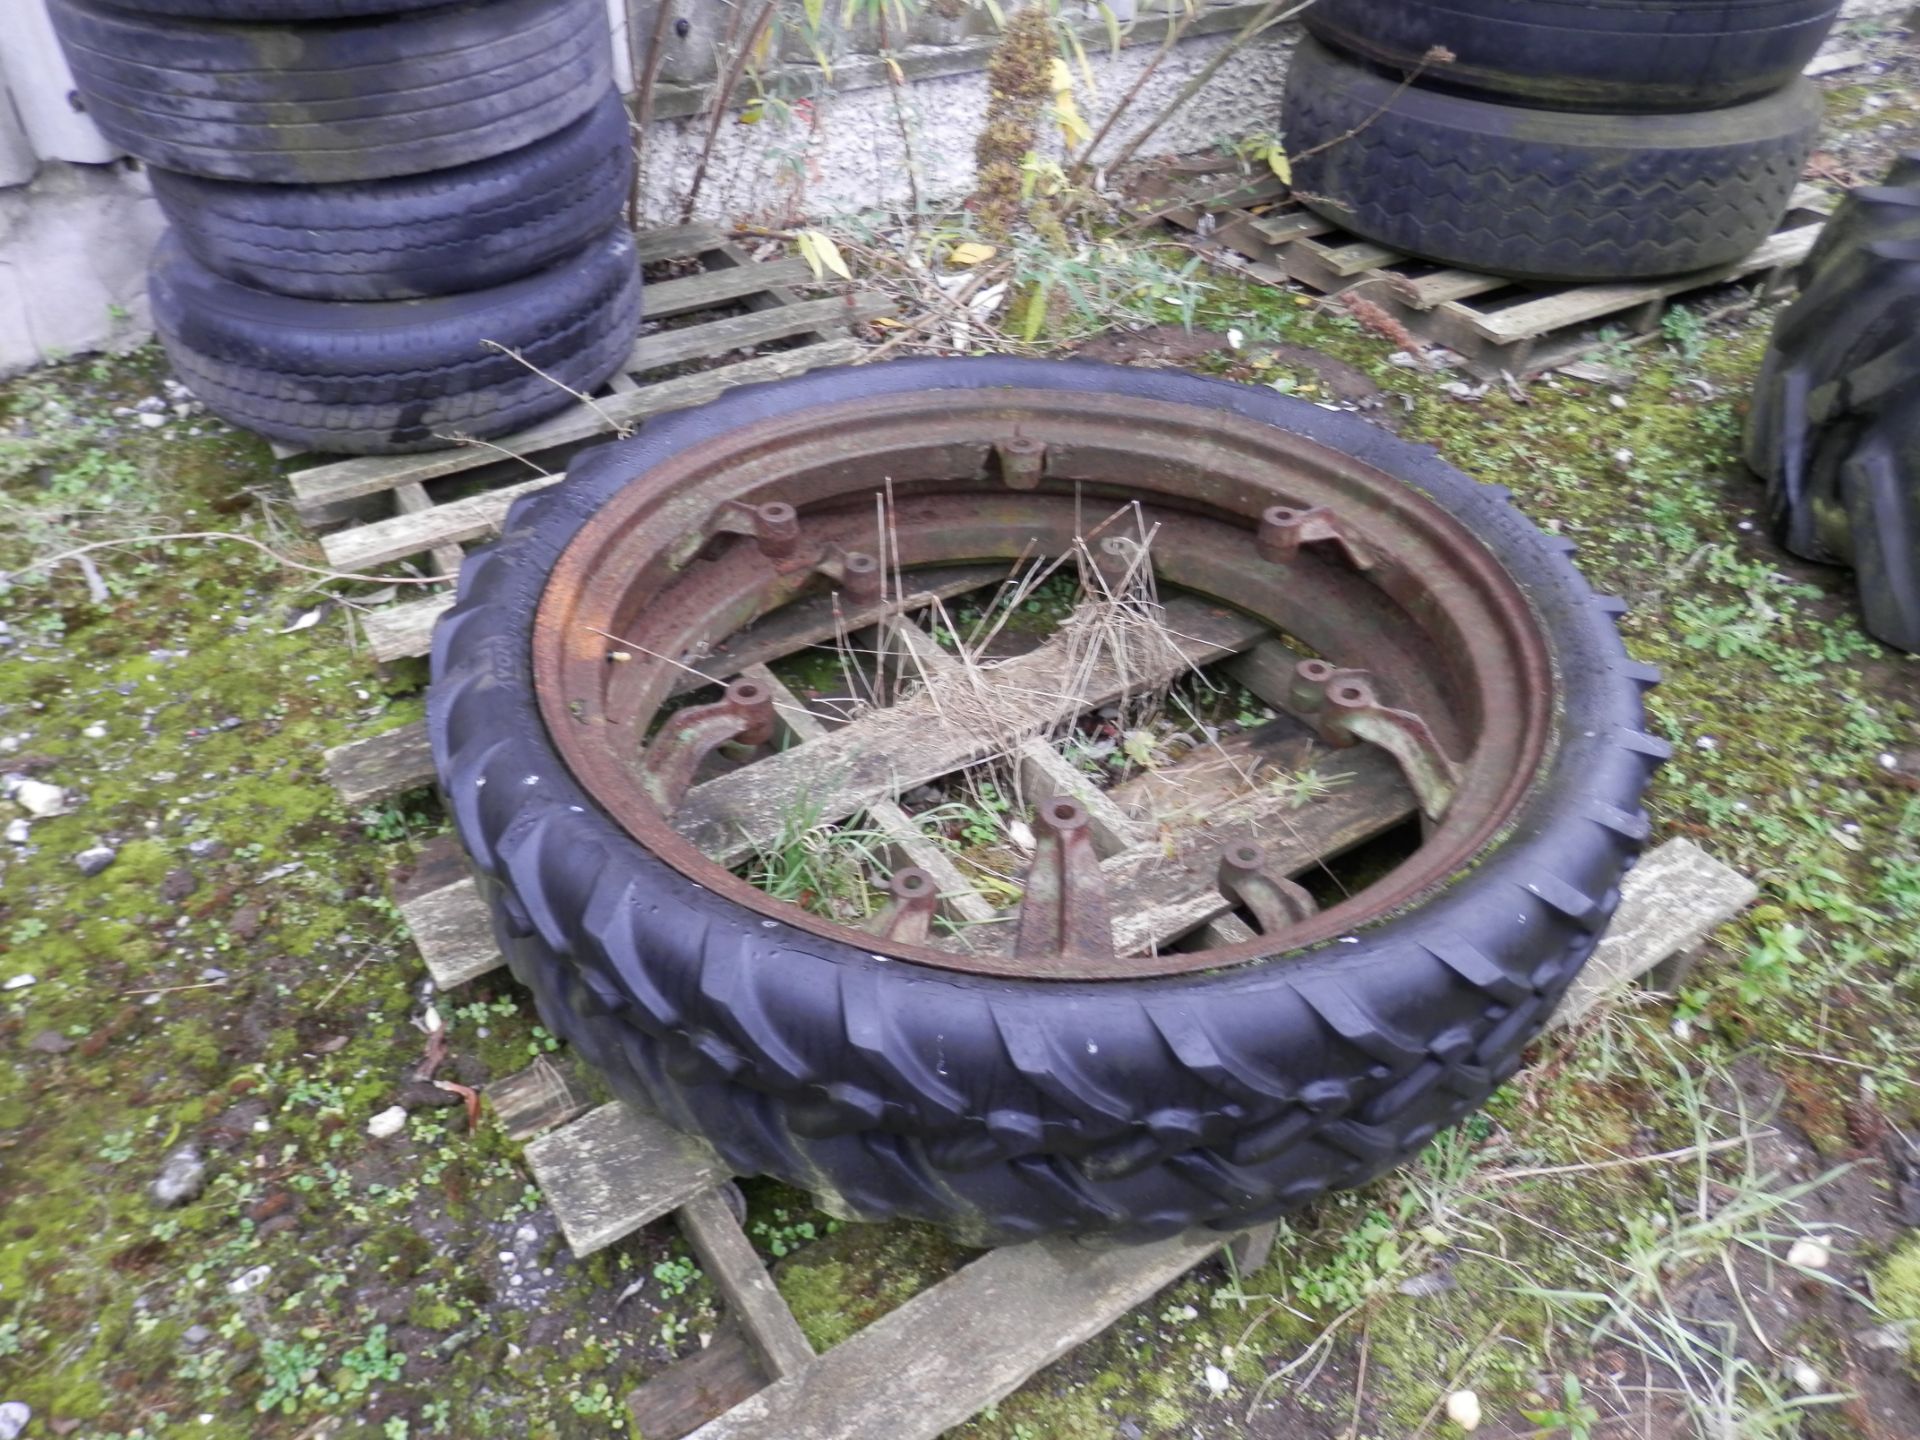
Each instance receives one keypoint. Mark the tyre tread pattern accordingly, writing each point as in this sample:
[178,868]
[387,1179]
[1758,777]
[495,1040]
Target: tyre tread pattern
[1834,428]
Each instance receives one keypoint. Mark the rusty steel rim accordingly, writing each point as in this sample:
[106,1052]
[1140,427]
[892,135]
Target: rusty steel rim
[1372,576]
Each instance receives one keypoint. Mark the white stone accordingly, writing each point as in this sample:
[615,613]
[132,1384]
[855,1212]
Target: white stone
[390,1121]
[250,1281]
[17,982]
[1809,1255]
[1218,1381]
[18,832]
[1463,1409]
[1806,1379]
[14,1416]
[39,799]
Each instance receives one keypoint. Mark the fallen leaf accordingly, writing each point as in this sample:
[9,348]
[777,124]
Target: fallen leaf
[822,255]
[970,252]
[468,1094]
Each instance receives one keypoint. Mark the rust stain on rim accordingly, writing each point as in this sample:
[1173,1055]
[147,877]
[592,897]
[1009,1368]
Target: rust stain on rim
[668,567]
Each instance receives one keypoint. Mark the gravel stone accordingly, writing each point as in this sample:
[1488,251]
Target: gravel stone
[94,859]
[182,1177]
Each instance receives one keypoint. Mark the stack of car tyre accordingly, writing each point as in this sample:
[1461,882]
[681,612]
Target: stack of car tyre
[395,223]
[1556,139]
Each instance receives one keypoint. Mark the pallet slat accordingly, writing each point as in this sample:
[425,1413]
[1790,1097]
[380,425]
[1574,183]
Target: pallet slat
[729,1259]
[1671,901]
[757,327]
[381,765]
[963,1344]
[905,837]
[1354,257]
[1591,302]
[719,287]
[454,936]
[616,1169]
[1423,292]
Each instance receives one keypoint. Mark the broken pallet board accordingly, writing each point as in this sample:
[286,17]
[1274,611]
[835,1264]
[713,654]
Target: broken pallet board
[1499,326]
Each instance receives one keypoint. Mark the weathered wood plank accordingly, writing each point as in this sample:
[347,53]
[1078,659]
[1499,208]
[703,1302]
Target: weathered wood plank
[532,1100]
[728,1257]
[963,1344]
[411,499]
[326,485]
[381,765]
[908,744]
[1423,292]
[1353,258]
[1671,901]
[1291,225]
[1042,770]
[614,1170]
[682,242]
[1576,303]
[958,898]
[438,862]
[691,1391]
[453,932]
[719,337]
[475,517]
[719,287]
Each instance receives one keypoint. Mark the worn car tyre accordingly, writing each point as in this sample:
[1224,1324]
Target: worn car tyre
[355,99]
[1540,194]
[1835,424]
[415,235]
[398,376]
[1599,55]
[999,1104]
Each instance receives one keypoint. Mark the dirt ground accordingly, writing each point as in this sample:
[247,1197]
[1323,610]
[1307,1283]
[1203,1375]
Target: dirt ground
[1687,1216]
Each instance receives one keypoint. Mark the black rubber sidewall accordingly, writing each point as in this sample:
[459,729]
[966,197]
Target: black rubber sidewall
[347,100]
[1614,55]
[441,233]
[383,378]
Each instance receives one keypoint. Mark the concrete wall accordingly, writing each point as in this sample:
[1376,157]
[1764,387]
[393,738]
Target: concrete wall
[878,145]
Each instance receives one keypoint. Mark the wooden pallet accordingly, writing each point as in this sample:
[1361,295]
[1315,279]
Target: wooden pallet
[1499,326]
[395,508]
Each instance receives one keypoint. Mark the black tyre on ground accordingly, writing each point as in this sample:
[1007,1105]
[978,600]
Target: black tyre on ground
[356,99]
[1009,1107]
[1835,424]
[1539,194]
[386,378]
[468,228]
[1600,55]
